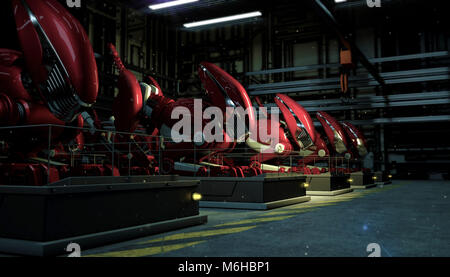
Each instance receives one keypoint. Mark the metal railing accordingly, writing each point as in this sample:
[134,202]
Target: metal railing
[78,152]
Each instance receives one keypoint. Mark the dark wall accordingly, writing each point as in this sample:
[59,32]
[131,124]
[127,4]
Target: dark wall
[8,26]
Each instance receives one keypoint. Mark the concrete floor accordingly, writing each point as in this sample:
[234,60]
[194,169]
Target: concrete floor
[407,219]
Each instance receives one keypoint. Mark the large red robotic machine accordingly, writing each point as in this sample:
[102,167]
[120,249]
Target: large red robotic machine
[298,140]
[52,80]
[338,136]
[144,104]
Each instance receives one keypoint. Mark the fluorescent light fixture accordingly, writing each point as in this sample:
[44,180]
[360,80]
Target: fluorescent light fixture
[170,4]
[340,1]
[222,19]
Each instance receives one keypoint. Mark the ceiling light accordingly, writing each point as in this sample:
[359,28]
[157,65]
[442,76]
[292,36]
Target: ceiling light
[170,4]
[222,19]
[340,1]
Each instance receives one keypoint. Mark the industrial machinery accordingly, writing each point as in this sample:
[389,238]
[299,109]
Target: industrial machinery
[47,92]
[145,104]
[54,93]
[52,81]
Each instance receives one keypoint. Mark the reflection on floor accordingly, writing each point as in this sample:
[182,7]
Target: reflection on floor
[408,218]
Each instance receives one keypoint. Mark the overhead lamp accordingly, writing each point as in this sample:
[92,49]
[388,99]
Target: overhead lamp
[222,19]
[171,4]
[340,1]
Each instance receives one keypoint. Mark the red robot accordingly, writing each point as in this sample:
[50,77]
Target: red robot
[335,133]
[145,104]
[298,139]
[310,146]
[52,80]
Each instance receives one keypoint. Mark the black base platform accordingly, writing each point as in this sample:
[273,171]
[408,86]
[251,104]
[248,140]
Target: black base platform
[327,185]
[382,178]
[116,208]
[361,180]
[255,193]
[57,247]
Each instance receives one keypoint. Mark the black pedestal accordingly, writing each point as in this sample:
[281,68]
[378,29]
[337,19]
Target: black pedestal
[80,207]
[327,185]
[255,193]
[361,180]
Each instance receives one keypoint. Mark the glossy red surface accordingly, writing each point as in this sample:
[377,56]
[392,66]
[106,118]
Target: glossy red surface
[357,138]
[353,133]
[39,114]
[321,145]
[304,117]
[8,56]
[232,88]
[129,101]
[11,83]
[67,37]
[330,124]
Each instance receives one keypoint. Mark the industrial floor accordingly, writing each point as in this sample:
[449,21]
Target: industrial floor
[406,218]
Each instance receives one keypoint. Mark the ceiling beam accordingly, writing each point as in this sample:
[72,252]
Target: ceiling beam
[331,21]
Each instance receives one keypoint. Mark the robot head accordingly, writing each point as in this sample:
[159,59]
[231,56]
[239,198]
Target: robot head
[357,138]
[334,132]
[225,91]
[58,56]
[299,122]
